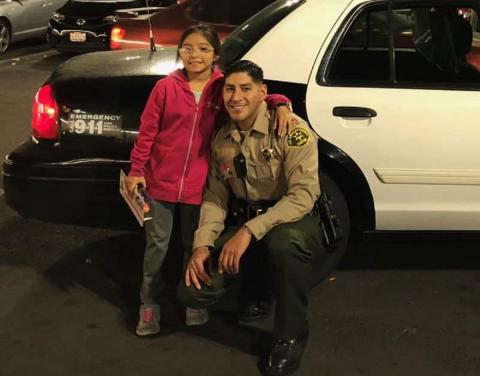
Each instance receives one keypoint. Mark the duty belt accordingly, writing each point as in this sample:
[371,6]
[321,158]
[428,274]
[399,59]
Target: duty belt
[242,211]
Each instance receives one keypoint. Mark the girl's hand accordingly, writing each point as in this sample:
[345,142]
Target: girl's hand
[285,121]
[132,182]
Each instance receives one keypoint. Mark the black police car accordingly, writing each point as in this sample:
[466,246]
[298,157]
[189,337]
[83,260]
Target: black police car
[85,25]
[394,101]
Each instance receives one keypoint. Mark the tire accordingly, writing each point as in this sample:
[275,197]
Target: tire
[323,266]
[5,36]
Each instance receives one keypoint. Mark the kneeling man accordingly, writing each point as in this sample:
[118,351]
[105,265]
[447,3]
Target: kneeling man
[268,187]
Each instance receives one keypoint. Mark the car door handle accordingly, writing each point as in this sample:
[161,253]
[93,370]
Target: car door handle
[357,112]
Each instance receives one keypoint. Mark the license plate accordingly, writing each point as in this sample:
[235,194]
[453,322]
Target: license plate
[92,124]
[78,36]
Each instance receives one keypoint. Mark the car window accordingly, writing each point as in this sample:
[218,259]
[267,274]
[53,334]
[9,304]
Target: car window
[425,46]
[247,34]
[230,12]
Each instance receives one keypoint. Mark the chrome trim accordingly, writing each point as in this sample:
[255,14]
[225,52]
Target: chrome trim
[7,160]
[129,132]
[87,161]
[55,31]
[427,176]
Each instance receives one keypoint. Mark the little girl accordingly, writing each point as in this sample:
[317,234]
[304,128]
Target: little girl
[171,158]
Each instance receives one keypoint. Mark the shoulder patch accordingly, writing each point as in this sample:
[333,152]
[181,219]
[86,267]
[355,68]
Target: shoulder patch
[297,137]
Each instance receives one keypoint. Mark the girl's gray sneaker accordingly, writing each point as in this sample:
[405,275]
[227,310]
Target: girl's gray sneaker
[194,316]
[148,322]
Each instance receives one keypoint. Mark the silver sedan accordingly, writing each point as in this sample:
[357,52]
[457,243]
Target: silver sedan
[22,19]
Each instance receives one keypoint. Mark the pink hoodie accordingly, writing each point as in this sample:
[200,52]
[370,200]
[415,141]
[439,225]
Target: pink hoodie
[173,144]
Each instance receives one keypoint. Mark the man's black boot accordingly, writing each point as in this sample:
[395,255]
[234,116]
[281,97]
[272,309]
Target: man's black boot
[255,310]
[286,355]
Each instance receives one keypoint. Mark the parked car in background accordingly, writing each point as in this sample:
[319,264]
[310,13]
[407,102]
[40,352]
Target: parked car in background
[397,115]
[23,19]
[85,25]
[471,17]
[167,25]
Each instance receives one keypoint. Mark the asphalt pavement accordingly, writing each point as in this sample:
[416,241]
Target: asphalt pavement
[68,301]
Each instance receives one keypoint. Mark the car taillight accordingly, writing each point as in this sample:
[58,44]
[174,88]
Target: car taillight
[116,37]
[44,114]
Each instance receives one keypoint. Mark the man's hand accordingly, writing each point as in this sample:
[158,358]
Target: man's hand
[233,250]
[195,271]
[132,182]
[285,121]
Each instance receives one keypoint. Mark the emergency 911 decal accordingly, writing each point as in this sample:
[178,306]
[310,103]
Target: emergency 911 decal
[92,124]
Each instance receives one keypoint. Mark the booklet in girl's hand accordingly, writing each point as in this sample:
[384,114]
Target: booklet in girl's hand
[138,202]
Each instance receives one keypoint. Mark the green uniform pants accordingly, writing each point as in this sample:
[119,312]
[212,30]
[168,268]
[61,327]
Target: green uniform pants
[280,262]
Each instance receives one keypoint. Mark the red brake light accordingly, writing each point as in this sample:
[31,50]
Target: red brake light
[44,114]
[116,37]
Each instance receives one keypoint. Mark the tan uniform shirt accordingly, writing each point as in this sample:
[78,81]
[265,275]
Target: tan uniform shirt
[278,169]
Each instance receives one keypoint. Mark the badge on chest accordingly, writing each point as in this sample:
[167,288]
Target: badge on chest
[267,153]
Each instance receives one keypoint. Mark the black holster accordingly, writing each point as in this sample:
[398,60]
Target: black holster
[331,228]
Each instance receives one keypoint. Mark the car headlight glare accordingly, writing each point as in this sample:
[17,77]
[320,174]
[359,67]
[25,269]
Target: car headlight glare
[58,17]
[112,18]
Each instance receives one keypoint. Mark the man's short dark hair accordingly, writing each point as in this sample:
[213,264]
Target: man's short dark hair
[247,66]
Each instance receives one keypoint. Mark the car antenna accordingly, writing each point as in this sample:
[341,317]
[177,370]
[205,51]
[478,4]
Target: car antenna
[152,41]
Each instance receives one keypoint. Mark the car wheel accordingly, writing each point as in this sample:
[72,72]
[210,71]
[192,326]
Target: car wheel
[4,36]
[323,266]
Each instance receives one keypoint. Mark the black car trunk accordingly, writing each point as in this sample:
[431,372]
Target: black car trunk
[100,117]
[101,96]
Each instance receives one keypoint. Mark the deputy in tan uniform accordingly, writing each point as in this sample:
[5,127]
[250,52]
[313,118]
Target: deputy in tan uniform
[268,187]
